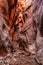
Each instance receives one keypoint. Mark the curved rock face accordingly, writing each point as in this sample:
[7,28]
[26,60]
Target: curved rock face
[23,20]
[38,18]
[28,30]
[4,29]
